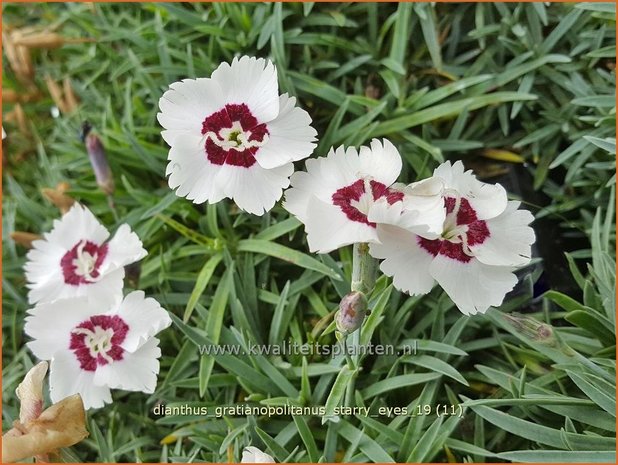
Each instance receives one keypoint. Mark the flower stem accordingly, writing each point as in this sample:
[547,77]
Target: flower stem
[364,268]
[112,207]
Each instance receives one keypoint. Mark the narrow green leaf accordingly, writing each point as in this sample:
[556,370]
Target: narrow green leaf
[336,393]
[285,253]
[541,434]
[200,284]
[281,317]
[437,365]
[558,456]
[444,110]
[307,437]
[368,446]
[398,382]
[424,445]
[213,325]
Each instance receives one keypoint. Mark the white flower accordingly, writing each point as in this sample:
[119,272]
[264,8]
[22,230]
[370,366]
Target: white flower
[484,238]
[254,455]
[336,193]
[95,347]
[75,259]
[233,135]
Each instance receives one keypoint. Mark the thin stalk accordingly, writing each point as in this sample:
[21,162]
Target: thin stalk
[112,207]
[364,270]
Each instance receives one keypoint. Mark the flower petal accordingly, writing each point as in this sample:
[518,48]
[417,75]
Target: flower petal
[145,318]
[252,81]
[380,161]
[50,324]
[472,286]
[76,224]
[137,371]
[291,137]
[107,290]
[328,228]
[421,210]
[191,173]
[187,103]
[254,189]
[123,249]
[67,378]
[509,239]
[254,455]
[324,176]
[487,200]
[404,259]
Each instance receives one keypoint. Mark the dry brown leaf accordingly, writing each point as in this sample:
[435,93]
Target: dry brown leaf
[58,197]
[30,393]
[61,425]
[70,98]
[18,116]
[31,95]
[56,94]
[18,58]
[25,239]
[45,40]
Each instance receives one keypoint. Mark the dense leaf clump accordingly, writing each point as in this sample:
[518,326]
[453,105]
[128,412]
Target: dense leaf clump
[524,94]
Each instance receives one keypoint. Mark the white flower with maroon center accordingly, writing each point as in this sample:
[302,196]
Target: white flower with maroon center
[76,259]
[233,135]
[334,197]
[95,347]
[484,238]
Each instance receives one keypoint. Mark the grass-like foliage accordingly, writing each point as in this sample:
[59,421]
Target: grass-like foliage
[523,93]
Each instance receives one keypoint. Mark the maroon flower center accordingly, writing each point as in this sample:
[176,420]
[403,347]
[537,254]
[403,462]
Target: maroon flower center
[233,136]
[462,229]
[81,264]
[356,199]
[96,341]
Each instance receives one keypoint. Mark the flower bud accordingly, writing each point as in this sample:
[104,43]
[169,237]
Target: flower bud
[532,328]
[98,160]
[351,313]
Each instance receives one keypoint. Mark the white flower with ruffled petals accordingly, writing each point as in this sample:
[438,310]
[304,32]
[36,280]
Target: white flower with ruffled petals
[484,239]
[252,454]
[233,136]
[336,194]
[95,347]
[76,259]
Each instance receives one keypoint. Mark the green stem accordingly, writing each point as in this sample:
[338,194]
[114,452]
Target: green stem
[348,358]
[364,269]
[112,207]
[349,392]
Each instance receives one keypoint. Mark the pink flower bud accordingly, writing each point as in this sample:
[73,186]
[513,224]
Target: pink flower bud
[351,313]
[98,160]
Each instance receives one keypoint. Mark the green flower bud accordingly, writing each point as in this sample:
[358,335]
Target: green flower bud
[351,313]
[532,328]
